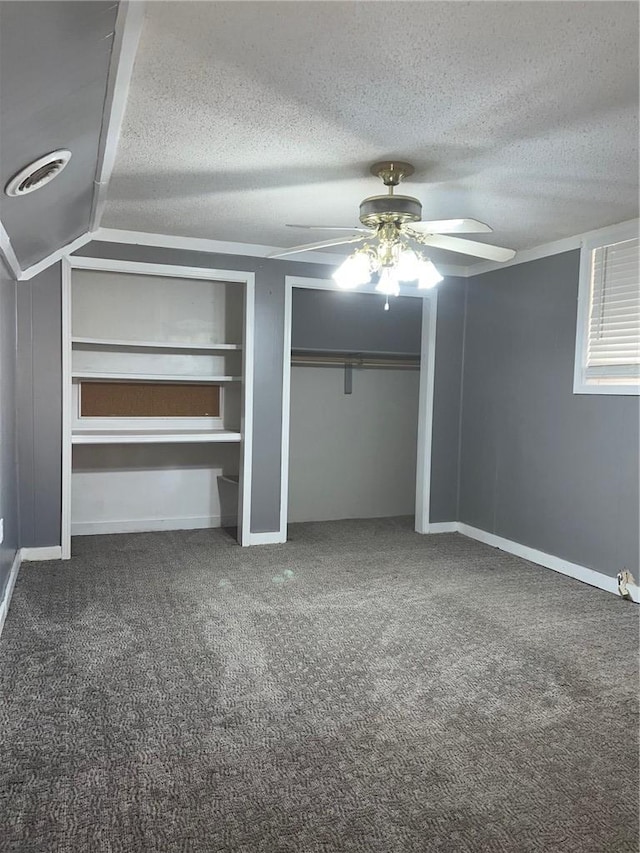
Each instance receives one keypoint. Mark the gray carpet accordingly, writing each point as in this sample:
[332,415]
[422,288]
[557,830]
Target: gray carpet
[361,688]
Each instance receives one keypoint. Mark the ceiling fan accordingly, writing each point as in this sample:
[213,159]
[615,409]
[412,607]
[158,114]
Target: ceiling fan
[392,229]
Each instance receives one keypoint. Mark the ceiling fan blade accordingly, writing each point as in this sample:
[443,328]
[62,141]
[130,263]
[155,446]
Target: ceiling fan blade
[323,244]
[333,228]
[468,247]
[449,226]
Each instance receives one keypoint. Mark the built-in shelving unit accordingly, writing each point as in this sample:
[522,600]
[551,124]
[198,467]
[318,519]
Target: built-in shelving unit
[143,458]
[158,436]
[151,377]
[104,343]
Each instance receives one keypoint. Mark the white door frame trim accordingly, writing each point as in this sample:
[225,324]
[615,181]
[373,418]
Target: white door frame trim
[5,601]
[68,265]
[175,271]
[425,402]
[425,411]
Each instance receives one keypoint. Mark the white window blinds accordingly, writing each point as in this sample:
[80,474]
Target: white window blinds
[613,349]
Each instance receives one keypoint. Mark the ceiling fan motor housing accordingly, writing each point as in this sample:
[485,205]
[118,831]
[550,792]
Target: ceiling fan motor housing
[378,209]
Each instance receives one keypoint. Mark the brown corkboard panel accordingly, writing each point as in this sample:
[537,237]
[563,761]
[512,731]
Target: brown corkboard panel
[148,400]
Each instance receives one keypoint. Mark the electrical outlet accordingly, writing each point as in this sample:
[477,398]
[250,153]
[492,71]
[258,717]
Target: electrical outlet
[624,579]
[1,530]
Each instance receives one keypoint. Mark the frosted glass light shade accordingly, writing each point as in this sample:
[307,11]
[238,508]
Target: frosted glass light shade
[428,276]
[389,283]
[353,272]
[408,266]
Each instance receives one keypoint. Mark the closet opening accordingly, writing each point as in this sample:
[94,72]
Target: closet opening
[359,385]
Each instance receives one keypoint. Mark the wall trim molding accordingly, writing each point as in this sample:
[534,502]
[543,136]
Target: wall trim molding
[255,250]
[128,28]
[545,250]
[56,256]
[525,255]
[8,255]
[285,420]
[443,527]
[151,525]
[203,244]
[329,284]
[426,395]
[8,590]
[246,417]
[272,537]
[549,561]
[32,555]
[66,398]
[533,555]
[165,270]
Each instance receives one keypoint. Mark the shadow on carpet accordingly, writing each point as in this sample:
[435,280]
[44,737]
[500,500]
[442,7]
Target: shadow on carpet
[361,688]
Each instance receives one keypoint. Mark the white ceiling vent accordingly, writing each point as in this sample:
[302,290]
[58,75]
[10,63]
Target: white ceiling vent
[38,173]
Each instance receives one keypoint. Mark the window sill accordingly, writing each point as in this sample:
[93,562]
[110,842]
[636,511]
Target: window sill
[612,388]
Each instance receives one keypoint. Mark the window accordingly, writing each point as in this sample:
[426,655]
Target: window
[608,333]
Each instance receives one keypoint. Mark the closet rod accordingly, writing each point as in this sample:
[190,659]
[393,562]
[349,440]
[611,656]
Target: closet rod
[354,361]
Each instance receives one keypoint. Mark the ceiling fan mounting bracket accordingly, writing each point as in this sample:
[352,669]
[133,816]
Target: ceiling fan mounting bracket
[391,172]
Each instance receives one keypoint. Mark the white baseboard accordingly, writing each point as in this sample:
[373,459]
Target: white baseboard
[8,590]
[274,537]
[549,561]
[148,525]
[443,527]
[51,552]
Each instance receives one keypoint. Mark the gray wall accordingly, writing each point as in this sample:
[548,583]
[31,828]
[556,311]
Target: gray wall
[8,484]
[538,464]
[541,465]
[40,408]
[354,322]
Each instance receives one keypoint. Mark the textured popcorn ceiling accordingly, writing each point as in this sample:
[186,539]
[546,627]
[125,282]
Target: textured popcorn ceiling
[244,116]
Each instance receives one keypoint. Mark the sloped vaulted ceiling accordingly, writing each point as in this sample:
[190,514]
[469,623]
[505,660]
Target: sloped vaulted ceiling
[54,64]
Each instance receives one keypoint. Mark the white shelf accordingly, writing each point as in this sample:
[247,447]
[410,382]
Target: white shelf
[193,379]
[164,345]
[169,436]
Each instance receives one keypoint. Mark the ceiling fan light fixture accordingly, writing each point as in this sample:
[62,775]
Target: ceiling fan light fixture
[428,275]
[394,238]
[354,272]
[409,265]
[388,283]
